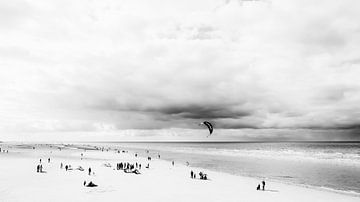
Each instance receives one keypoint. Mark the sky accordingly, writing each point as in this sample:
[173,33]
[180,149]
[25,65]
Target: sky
[153,70]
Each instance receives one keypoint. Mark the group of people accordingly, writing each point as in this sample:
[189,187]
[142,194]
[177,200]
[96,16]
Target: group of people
[127,166]
[39,168]
[67,167]
[202,175]
[263,186]
[90,184]
[7,151]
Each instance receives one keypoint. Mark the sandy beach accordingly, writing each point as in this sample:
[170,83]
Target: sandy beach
[161,182]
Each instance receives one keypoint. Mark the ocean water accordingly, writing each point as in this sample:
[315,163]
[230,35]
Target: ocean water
[328,165]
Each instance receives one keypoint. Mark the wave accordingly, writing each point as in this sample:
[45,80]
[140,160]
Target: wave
[352,159]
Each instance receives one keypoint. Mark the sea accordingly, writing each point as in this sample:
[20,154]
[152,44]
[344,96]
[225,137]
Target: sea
[334,166]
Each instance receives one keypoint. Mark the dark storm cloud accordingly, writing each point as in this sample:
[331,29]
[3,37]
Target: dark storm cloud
[202,111]
[344,126]
[180,111]
[238,125]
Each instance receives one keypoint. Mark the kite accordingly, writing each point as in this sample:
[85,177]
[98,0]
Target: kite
[209,125]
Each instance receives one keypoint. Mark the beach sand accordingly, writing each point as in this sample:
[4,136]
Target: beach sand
[19,180]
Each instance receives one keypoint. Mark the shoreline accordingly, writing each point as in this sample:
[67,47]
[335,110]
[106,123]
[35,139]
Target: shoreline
[326,189]
[181,155]
[160,176]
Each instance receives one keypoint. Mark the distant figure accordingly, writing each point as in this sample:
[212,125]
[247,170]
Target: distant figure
[201,175]
[61,165]
[91,184]
[192,174]
[66,167]
[263,185]
[41,169]
[85,183]
[148,166]
[89,171]
[48,160]
[258,187]
[38,168]
[135,155]
[40,160]
[159,155]
[173,163]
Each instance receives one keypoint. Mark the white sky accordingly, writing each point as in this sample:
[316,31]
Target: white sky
[109,67]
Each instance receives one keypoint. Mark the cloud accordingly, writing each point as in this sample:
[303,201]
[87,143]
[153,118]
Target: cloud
[112,66]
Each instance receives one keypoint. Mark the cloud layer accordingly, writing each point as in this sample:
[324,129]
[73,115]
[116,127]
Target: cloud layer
[111,65]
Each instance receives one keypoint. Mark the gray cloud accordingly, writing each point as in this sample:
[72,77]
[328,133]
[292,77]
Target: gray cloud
[199,111]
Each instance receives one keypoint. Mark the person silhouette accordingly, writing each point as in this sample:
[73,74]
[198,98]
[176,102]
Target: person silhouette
[263,185]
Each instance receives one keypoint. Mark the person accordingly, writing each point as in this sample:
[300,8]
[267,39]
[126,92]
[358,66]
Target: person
[84,183]
[66,167]
[61,165]
[173,163]
[192,174]
[258,187]
[263,185]
[40,160]
[89,171]
[38,168]
[48,160]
